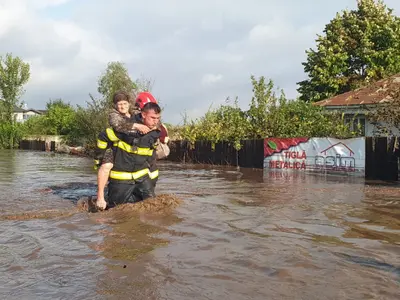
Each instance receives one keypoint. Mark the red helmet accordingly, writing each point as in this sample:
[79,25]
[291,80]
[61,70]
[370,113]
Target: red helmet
[144,98]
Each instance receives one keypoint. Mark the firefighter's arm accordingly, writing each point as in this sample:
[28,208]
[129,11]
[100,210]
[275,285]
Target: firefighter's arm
[123,125]
[103,143]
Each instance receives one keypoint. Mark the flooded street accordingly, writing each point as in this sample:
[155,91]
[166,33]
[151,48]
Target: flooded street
[235,235]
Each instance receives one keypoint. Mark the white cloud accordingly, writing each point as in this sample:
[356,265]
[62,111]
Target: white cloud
[222,56]
[260,33]
[212,24]
[11,13]
[211,79]
[197,53]
[46,3]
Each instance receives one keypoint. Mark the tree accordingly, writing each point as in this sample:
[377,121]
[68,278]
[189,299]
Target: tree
[264,102]
[271,115]
[358,47]
[3,114]
[115,78]
[14,73]
[91,120]
[386,115]
[60,117]
[144,84]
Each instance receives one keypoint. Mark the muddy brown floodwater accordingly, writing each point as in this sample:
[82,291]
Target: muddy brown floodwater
[218,234]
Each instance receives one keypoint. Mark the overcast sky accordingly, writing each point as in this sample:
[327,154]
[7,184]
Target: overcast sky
[197,52]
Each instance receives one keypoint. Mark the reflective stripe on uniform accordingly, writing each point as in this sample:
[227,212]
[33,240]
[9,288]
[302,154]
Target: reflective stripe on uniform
[153,174]
[96,164]
[101,144]
[128,175]
[111,135]
[131,149]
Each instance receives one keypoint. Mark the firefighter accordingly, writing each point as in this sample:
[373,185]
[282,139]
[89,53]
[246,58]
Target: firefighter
[130,178]
[162,144]
[122,119]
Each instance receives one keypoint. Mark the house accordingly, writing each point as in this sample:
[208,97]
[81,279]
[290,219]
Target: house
[22,114]
[356,104]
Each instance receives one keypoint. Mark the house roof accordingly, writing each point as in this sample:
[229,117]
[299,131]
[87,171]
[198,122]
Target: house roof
[21,110]
[375,93]
[18,109]
[37,111]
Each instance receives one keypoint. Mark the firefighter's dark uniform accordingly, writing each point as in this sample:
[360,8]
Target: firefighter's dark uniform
[121,124]
[130,178]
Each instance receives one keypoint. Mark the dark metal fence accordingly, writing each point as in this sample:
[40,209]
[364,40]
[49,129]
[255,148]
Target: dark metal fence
[381,158]
[251,155]
[38,145]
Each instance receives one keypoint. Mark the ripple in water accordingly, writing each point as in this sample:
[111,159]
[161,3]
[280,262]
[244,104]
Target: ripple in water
[233,235]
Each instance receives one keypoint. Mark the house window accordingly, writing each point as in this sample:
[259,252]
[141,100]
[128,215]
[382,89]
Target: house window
[357,123]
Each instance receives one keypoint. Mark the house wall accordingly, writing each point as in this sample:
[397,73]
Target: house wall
[371,129]
[360,113]
[23,116]
[29,114]
[19,117]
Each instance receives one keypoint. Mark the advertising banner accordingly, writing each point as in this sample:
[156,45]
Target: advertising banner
[327,155]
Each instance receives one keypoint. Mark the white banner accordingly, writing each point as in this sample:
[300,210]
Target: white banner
[326,155]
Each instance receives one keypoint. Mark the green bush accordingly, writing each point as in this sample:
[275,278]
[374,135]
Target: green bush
[269,115]
[10,135]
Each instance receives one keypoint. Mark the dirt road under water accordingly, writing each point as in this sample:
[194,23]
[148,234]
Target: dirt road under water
[220,234]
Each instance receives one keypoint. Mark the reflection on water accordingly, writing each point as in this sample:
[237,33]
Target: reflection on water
[236,235]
